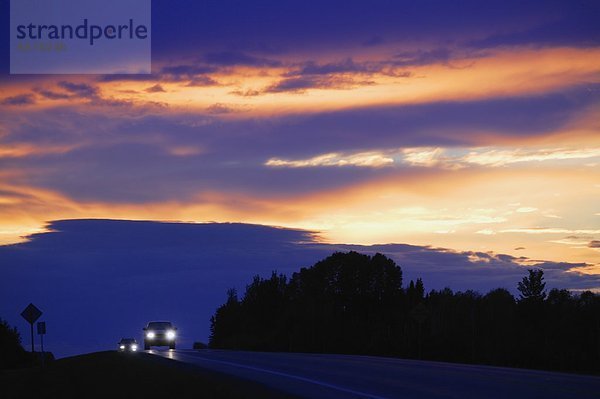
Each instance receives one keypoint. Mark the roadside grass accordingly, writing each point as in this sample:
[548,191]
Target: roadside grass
[126,375]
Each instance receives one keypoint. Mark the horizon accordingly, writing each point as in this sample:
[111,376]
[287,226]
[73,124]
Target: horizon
[182,271]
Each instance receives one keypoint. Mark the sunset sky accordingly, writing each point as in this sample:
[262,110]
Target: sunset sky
[472,126]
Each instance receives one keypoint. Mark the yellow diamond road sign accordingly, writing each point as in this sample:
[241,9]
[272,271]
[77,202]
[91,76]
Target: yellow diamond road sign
[31,313]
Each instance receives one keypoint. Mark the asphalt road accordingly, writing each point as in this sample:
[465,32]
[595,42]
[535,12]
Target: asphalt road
[339,376]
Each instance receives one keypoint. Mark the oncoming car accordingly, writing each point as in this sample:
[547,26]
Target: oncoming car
[127,345]
[159,333]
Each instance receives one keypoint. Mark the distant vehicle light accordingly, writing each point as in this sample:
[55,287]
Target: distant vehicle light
[122,347]
[134,347]
[150,335]
[171,334]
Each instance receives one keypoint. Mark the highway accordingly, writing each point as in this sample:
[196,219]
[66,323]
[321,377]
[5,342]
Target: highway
[319,376]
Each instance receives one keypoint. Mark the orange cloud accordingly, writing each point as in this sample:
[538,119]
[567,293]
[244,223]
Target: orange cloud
[439,157]
[362,159]
[19,150]
[184,151]
[502,73]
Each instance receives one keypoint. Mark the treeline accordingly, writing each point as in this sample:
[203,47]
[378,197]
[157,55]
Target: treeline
[12,354]
[355,304]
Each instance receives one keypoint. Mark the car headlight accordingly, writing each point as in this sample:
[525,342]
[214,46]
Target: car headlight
[170,334]
[122,347]
[133,347]
[150,334]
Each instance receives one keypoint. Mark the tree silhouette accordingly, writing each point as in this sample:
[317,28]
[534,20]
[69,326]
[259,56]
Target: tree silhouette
[532,287]
[354,303]
[13,354]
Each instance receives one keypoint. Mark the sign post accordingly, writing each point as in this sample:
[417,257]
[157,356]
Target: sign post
[41,330]
[31,314]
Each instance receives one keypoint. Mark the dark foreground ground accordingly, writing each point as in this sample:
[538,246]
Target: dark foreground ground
[125,375]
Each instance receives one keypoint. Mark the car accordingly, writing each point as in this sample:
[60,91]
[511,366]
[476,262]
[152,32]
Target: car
[127,345]
[159,333]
